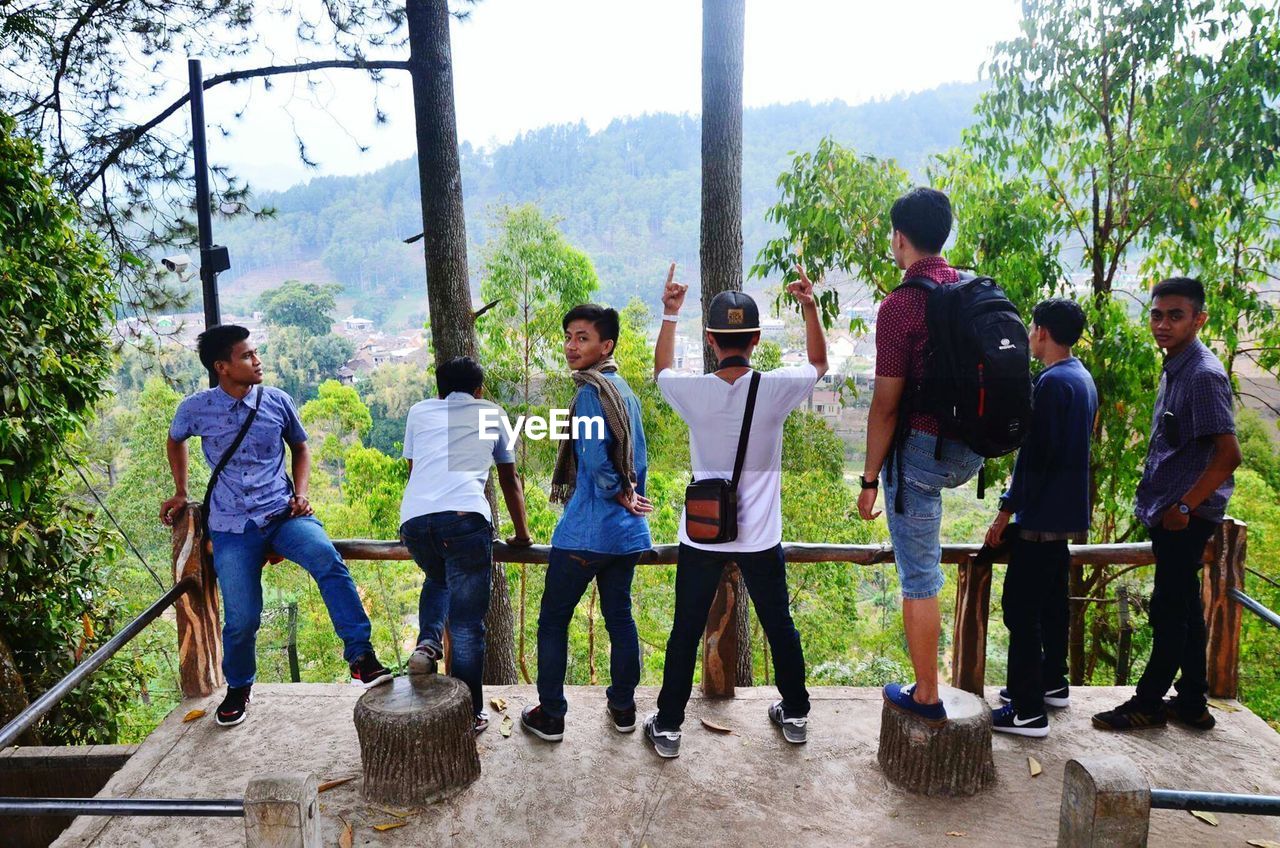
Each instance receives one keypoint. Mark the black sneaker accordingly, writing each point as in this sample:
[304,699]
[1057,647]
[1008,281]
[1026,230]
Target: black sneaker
[367,672]
[624,721]
[1196,719]
[794,730]
[665,742]
[535,720]
[425,657]
[233,707]
[1055,698]
[1130,716]
[482,723]
[1007,720]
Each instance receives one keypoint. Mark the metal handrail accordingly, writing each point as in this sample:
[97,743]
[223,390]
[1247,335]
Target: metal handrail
[221,807]
[1215,802]
[24,720]
[1255,607]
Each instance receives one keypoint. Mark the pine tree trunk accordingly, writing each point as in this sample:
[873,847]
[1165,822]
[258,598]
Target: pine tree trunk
[721,238]
[954,759]
[417,743]
[445,244]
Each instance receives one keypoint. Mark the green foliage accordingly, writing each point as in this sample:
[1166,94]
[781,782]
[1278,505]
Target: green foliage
[336,419]
[307,306]
[55,554]
[297,360]
[390,391]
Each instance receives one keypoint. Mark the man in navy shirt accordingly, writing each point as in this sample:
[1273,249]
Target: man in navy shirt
[254,509]
[1181,498]
[1050,497]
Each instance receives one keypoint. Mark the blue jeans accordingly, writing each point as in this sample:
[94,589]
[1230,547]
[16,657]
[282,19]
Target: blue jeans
[568,576]
[917,547]
[238,559]
[455,550]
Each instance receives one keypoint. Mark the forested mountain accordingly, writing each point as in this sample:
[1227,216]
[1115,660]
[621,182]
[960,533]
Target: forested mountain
[628,195]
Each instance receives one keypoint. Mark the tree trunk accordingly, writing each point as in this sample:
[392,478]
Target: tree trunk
[954,759]
[721,237]
[445,245]
[13,693]
[417,742]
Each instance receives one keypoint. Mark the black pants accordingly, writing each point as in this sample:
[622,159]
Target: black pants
[1178,635]
[697,576]
[1036,613]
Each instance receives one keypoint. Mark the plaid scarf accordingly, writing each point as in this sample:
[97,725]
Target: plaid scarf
[616,418]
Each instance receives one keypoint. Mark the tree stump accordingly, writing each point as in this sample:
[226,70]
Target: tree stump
[417,740]
[954,759]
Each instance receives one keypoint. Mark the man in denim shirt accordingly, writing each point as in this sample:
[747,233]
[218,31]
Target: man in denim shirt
[603,530]
[1181,498]
[446,521]
[254,509]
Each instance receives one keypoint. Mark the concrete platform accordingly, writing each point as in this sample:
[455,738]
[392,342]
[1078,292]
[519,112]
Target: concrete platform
[742,789]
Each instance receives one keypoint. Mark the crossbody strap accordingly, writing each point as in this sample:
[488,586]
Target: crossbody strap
[745,435]
[226,457]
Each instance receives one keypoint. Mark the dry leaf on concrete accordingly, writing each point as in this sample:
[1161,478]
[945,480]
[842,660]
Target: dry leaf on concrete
[391,811]
[389,826]
[348,837]
[1264,843]
[1034,765]
[1208,818]
[1226,707]
[956,833]
[337,781]
[498,704]
[718,728]
[505,727]
[193,715]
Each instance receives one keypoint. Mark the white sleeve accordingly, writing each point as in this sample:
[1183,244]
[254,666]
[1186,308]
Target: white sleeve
[789,387]
[679,390]
[407,453]
[503,449]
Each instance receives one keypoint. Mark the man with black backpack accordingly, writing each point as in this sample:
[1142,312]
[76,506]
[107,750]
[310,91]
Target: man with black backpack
[253,509]
[733,507]
[952,386]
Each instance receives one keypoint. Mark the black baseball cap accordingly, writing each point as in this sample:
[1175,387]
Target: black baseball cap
[733,312]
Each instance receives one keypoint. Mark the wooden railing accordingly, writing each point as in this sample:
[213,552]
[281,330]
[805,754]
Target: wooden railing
[200,644]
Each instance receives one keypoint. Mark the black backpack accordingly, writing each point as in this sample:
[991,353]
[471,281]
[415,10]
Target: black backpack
[977,368]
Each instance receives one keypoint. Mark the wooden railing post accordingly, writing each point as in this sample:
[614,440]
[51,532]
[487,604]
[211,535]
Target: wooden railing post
[720,642]
[1224,571]
[199,634]
[973,606]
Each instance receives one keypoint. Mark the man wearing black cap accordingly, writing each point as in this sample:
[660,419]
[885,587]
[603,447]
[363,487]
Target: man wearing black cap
[715,406]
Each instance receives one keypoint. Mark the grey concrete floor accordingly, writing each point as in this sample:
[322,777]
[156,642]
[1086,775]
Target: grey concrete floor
[748,788]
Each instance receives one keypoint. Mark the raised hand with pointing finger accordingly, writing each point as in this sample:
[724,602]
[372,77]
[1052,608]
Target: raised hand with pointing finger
[673,293]
[802,288]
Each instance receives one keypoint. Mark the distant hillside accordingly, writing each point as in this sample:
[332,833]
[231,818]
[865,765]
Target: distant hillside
[627,194]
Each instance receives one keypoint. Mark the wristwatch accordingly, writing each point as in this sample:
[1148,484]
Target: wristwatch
[874,484]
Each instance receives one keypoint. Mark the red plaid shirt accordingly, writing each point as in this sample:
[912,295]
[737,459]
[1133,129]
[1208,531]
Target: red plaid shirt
[901,333]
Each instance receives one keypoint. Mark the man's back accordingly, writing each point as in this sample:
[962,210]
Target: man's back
[713,409]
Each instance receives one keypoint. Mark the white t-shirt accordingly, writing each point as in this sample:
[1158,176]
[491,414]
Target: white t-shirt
[713,409]
[450,459]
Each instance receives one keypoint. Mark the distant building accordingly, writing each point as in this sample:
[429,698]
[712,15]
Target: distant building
[352,324]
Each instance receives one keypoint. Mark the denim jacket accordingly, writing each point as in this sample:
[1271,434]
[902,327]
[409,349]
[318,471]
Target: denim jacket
[592,519]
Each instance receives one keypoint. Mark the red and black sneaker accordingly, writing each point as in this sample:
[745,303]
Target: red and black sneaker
[367,672]
[233,707]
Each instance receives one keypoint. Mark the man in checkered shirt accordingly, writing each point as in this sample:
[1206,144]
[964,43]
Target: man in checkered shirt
[1181,499]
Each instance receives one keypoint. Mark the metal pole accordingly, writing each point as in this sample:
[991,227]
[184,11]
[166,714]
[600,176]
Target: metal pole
[1216,802]
[204,211]
[24,720]
[1253,606]
[223,807]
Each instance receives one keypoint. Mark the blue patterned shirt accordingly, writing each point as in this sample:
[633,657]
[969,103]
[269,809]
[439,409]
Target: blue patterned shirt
[253,485]
[1194,404]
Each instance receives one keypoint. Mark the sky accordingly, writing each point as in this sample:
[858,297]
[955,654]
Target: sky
[523,64]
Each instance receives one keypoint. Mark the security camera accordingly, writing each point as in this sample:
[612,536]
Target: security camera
[177,264]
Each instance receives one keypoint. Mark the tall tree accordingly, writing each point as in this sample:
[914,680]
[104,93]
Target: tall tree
[720,248]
